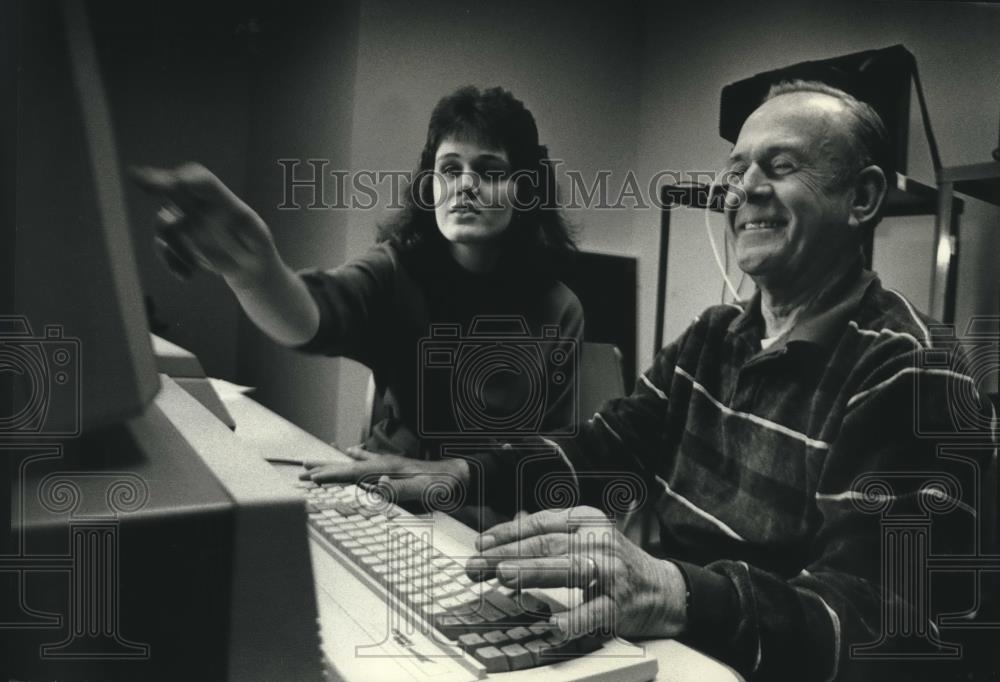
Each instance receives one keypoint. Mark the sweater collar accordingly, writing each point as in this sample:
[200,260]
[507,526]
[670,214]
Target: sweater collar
[822,324]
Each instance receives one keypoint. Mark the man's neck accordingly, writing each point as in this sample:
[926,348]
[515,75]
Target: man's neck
[782,307]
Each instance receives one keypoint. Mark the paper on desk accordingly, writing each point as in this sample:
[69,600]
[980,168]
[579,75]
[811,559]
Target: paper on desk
[227,389]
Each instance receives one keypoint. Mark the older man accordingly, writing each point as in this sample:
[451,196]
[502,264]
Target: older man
[751,428]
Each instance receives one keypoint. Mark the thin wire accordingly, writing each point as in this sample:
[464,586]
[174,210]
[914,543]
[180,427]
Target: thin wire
[711,241]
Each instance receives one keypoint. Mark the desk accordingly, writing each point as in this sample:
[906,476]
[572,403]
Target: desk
[267,434]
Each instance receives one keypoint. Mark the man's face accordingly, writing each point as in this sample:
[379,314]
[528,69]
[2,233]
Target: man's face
[788,204]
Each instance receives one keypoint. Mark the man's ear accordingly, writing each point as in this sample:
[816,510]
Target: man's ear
[870,188]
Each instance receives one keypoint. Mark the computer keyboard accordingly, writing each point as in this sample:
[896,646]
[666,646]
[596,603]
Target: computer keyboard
[438,614]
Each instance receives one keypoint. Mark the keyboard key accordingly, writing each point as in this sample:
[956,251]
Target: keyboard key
[406,589]
[420,600]
[490,613]
[458,607]
[448,590]
[471,640]
[472,620]
[497,638]
[450,626]
[561,649]
[535,648]
[513,614]
[504,603]
[345,509]
[494,659]
[448,604]
[401,537]
[518,658]
[519,634]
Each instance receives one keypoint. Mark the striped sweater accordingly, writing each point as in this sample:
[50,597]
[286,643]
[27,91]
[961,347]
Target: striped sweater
[753,462]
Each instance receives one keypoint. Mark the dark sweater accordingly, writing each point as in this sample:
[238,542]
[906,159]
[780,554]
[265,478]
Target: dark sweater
[753,460]
[379,310]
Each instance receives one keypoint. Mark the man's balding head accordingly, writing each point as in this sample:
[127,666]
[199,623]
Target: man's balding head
[867,134]
[801,196]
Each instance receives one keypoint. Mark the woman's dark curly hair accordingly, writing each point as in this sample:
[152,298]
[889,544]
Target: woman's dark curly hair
[538,234]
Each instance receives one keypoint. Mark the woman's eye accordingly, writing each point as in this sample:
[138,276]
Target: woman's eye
[451,170]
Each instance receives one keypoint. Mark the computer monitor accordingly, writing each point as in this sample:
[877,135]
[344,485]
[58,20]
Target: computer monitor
[144,542]
[79,321]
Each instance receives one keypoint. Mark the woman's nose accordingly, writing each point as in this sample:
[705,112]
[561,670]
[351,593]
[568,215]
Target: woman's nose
[468,182]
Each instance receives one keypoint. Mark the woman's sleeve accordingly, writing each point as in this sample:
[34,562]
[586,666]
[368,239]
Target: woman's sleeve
[561,415]
[356,301]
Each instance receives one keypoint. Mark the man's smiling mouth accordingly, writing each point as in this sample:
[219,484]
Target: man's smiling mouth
[762,225]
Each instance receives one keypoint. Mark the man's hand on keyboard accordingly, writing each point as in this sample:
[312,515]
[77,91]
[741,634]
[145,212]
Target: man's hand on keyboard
[627,591]
[401,479]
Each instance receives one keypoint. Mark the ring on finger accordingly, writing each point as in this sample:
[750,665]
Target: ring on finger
[592,583]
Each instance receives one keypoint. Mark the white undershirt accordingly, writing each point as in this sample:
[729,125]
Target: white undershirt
[767,343]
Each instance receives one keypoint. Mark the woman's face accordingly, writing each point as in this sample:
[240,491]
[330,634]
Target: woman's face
[471,201]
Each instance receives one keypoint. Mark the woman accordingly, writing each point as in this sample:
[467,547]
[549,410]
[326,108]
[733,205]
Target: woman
[478,236]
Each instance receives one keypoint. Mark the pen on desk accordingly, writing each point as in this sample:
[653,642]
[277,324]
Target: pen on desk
[298,461]
[285,460]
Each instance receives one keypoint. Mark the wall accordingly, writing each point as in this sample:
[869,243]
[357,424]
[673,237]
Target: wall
[301,108]
[575,66]
[690,54]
